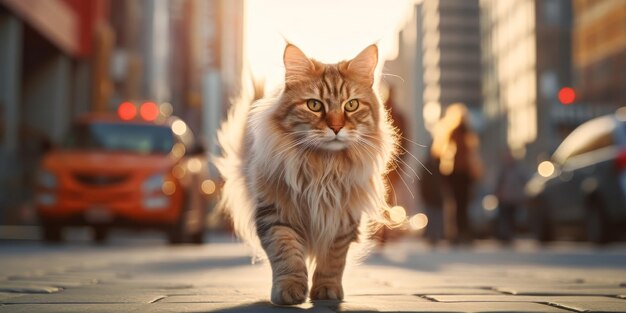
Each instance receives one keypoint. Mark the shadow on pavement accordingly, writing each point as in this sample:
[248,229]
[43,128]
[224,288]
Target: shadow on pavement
[313,306]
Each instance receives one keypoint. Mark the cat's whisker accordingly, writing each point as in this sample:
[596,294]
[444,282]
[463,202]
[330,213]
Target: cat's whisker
[407,165]
[360,141]
[407,186]
[416,159]
[413,142]
[399,167]
[396,166]
[395,196]
[394,76]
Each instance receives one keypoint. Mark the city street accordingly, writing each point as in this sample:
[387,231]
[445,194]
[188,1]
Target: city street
[140,273]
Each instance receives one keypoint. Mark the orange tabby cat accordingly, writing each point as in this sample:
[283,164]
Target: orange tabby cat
[303,166]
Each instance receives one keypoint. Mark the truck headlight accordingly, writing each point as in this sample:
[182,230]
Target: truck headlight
[153,183]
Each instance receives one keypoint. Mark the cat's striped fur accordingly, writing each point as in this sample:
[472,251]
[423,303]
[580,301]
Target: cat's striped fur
[297,185]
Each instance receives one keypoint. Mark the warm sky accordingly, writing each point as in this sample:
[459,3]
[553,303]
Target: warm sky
[327,30]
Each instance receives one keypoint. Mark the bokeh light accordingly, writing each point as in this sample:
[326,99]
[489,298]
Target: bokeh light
[149,111]
[490,202]
[127,111]
[567,95]
[418,221]
[545,169]
[179,127]
[208,187]
[168,187]
[397,214]
[194,165]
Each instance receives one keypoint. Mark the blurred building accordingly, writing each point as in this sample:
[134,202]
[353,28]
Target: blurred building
[599,54]
[450,40]
[49,57]
[526,60]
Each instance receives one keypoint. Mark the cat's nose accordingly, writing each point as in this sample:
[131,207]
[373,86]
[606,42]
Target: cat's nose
[336,128]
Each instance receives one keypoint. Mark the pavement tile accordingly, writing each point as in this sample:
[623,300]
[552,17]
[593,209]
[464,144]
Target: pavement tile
[69,308]
[213,298]
[27,287]
[371,289]
[56,283]
[8,295]
[86,277]
[199,291]
[513,298]
[549,291]
[146,284]
[581,304]
[413,306]
[90,295]
[450,291]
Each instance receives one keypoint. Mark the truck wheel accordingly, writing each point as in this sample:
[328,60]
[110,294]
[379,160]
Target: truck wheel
[176,233]
[597,227]
[175,236]
[52,233]
[100,234]
[540,224]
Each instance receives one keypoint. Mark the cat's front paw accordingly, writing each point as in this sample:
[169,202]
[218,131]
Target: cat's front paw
[327,292]
[288,292]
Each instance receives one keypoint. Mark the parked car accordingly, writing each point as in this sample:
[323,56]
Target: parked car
[132,170]
[583,186]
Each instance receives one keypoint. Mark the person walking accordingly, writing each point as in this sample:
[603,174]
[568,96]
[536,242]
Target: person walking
[431,190]
[456,146]
[510,194]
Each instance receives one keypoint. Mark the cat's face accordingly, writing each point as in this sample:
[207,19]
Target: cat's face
[329,106]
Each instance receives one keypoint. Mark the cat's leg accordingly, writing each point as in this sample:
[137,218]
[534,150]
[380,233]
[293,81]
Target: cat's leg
[327,278]
[286,252]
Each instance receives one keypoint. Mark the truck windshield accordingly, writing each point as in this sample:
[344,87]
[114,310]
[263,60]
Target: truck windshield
[139,138]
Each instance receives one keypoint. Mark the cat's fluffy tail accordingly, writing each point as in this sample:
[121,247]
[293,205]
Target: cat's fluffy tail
[235,200]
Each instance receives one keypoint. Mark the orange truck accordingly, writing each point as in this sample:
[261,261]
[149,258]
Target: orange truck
[138,169]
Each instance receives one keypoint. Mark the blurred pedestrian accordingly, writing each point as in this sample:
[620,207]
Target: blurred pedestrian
[456,146]
[431,192]
[510,194]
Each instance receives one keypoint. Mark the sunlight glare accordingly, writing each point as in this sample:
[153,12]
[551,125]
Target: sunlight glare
[329,31]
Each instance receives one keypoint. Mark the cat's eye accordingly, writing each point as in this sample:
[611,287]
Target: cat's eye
[352,105]
[314,105]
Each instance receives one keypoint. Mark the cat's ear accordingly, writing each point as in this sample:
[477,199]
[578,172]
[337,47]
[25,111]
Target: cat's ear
[298,66]
[362,67]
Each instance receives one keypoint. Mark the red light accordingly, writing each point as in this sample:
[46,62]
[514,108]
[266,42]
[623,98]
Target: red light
[127,111]
[149,111]
[567,95]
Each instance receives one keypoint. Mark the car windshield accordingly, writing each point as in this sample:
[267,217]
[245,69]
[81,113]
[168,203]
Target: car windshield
[139,138]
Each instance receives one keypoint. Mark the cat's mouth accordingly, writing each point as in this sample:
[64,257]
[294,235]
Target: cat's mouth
[335,144]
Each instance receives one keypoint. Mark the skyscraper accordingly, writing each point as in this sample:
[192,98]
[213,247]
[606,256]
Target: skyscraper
[526,48]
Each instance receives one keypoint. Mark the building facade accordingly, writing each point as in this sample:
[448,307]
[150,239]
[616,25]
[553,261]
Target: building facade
[48,60]
[599,53]
[526,59]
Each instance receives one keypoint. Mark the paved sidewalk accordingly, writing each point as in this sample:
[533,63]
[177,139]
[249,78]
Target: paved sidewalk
[403,277]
